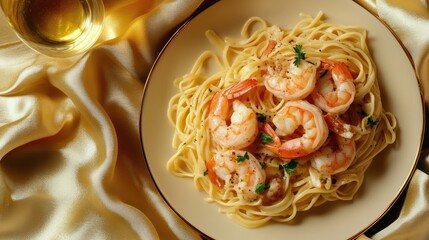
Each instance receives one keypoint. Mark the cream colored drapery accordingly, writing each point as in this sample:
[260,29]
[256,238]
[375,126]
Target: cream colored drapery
[71,165]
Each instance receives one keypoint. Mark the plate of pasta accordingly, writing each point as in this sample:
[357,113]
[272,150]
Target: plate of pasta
[282,119]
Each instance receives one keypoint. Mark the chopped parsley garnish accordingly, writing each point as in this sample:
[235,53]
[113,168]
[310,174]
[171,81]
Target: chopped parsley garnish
[289,167]
[242,158]
[261,187]
[265,138]
[206,172]
[262,117]
[372,122]
[300,54]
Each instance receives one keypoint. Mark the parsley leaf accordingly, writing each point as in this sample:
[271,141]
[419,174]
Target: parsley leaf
[261,187]
[265,138]
[206,172]
[242,158]
[262,117]
[289,167]
[300,54]
[372,122]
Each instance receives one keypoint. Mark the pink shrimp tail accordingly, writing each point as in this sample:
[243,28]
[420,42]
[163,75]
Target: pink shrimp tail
[287,150]
[238,89]
[338,69]
[342,72]
[271,45]
[211,172]
[292,149]
[219,105]
[275,144]
[338,125]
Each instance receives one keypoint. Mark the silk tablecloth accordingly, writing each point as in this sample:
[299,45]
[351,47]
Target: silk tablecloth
[71,164]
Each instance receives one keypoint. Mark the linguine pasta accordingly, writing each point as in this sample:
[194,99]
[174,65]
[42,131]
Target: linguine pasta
[238,59]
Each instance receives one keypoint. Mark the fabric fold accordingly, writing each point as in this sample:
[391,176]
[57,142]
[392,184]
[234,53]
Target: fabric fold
[414,216]
[71,161]
[410,21]
[71,164]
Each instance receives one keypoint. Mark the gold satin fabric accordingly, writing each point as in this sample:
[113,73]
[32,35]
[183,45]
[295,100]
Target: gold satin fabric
[71,162]
[71,165]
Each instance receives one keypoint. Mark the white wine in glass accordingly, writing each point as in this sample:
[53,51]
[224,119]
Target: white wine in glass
[57,28]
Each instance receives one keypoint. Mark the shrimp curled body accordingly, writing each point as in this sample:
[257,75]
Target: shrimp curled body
[334,92]
[243,127]
[302,127]
[290,82]
[224,170]
[335,157]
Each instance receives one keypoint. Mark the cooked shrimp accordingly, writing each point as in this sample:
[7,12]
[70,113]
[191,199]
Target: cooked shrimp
[335,91]
[243,127]
[271,45]
[226,169]
[335,157]
[302,126]
[337,125]
[275,191]
[287,81]
[274,35]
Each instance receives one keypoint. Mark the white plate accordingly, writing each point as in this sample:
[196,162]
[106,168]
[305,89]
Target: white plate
[385,179]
